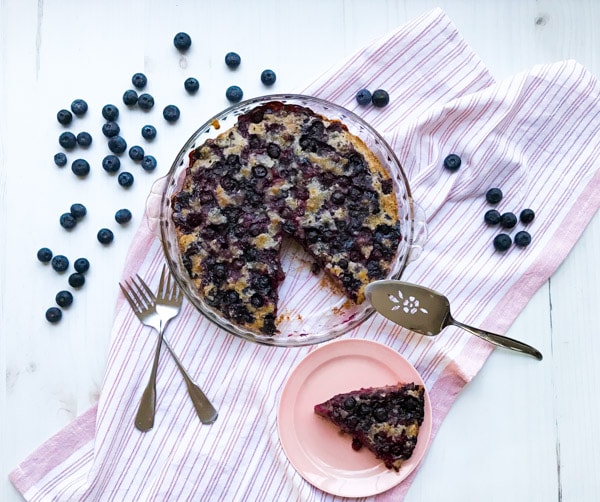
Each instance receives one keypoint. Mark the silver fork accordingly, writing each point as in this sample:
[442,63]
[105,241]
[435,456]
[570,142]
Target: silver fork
[156,311]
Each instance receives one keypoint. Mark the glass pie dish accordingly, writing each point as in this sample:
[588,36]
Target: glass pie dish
[310,311]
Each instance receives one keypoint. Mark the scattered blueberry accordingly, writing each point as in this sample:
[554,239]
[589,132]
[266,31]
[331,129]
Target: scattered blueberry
[67,221]
[76,280]
[171,113]
[452,162]
[182,41]
[149,132]
[130,97]
[81,265]
[84,139]
[191,85]
[60,159]
[123,216]
[64,117]
[78,211]
[234,93]
[492,217]
[508,220]
[79,107]
[232,60]
[145,101]
[522,239]
[110,129]
[139,80]
[53,314]
[363,97]
[149,163]
[494,195]
[44,255]
[117,144]
[64,298]
[110,112]
[527,216]
[136,153]
[380,98]
[111,163]
[60,263]
[125,179]
[67,140]
[80,167]
[502,242]
[268,77]
[105,236]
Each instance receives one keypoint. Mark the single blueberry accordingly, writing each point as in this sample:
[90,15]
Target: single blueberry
[111,163]
[44,255]
[117,144]
[80,167]
[60,159]
[81,265]
[508,220]
[494,195]
[123,216]
[182,41]
[149,163]
[110,112]
[67,140]
[79,107]
[78,211]
[522,239]
[527,216]
[149,132]
[268,77]
[136,153]
[171,113]
[492,217]
[130,97]
[105,236]
[145,101]
[380,98]
[232,60]
[125,179]
[84,139]
[76,280]
[64,117]
[139,80]
[111,129]
[502,242]
[191,85]
[53,314]
[234,93]
[67,221]
[60,263]
[64,298]
[452,162]
[363,97]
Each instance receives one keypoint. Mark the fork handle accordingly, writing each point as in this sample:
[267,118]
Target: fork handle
[144,419]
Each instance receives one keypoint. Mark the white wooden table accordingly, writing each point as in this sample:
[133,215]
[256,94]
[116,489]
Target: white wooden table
[521,431]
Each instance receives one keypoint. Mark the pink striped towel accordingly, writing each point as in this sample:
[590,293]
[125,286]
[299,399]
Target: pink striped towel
[535,135]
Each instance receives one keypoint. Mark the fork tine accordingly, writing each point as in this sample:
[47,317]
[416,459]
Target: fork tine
[162,291]
[139,294]
[129,298]
[150,296]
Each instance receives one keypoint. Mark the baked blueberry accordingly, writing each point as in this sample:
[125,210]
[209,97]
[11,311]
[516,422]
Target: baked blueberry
[182,41]
[232,60]
[64,298]
[508,220]
[148,132]
[139,80]
[81,265]
[78,211]
[136,153]
[171,113]
[452,162]
[79,107]
[67,221]
[60,263]
[64,117]
[380,98]
[76,280]
[149,163]
[105,236]
[363,97]
[60,159]
[268,77]
[117,144]
[84,139]
[130,97]
[234,93]
[522,239]
[111,163]
[502,242]
[123,216]
[527,216]
[110,112]
[145,101]
[53,314]
[494,195]
[492,217]
[125,179]
[191,85]
[67,140]
[80,167]
[111,129]
[44,255]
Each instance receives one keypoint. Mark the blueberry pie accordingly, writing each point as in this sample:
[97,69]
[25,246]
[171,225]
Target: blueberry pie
[282,171]
[385,420]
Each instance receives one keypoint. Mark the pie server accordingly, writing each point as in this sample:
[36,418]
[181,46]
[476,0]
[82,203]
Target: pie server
[427,312]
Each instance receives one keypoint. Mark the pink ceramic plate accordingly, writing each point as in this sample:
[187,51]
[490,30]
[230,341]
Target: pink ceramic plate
[316,449]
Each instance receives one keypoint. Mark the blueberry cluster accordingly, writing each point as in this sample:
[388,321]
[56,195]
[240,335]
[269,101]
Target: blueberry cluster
[507,221]
[378,98]
[234,93]
[75,214]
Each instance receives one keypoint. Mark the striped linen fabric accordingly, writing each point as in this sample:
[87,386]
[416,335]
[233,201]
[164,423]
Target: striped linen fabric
[535,135]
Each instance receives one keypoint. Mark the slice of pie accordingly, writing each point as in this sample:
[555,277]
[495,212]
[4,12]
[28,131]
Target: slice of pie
[385,420]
